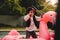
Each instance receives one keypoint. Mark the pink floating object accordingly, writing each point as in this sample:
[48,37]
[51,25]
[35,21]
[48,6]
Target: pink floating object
[0,38]
[13,32]
[52,38]
[41,39]
[49,16]
[52,34]
[43,29]
[12,35]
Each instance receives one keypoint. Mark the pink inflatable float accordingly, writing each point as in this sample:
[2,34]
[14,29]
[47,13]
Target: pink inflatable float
[0,38]
[43,29]
[13,34]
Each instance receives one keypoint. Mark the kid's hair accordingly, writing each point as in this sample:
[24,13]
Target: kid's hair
[31,8]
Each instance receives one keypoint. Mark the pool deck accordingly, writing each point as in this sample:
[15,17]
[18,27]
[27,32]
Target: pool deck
[8,29]
[18,29]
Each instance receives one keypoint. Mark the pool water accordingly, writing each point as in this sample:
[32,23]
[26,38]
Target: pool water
[3,33]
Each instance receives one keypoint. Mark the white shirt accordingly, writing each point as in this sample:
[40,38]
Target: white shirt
[32,26]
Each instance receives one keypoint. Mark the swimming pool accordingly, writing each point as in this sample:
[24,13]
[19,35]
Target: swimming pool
[3,33]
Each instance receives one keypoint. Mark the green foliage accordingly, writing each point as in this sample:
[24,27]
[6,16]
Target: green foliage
[18,7]
[47,7]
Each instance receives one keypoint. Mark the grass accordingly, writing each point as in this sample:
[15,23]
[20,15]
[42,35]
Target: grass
[10,28]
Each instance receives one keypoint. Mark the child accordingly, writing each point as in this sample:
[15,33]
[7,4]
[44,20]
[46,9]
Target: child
[32,22]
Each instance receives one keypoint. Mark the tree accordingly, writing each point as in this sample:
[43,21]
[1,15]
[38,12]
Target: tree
[18,7]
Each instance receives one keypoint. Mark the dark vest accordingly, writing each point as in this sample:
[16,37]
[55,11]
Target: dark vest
[27,23]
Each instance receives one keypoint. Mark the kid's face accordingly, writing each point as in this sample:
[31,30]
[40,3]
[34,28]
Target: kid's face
[32,13]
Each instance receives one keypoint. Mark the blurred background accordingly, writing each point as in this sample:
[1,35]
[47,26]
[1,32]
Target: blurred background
[12,12]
